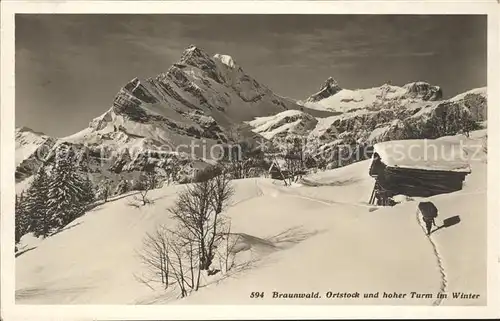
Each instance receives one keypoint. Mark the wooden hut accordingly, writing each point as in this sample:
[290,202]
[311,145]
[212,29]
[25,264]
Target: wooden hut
[276,170]
[416,168]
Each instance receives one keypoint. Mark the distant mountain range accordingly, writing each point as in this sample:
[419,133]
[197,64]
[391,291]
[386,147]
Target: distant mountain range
[210,99]
[367,116]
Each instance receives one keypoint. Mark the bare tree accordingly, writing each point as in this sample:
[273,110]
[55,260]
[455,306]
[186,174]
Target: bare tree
[154,255]
[226,252]
[222,191]
[177,256]
[198,209]
[173,170]
[294,160]
[147,181]
[242,153]
[171,260]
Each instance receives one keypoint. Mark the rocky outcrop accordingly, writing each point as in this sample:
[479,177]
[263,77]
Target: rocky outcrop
[128,105]
[194,56]
[422,90]
[136,89]
[476,103]
[290,122]
[329,88]
[333,98]
[32,149]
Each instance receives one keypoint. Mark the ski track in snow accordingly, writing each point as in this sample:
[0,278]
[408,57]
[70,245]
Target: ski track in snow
[322,201]
[439,260]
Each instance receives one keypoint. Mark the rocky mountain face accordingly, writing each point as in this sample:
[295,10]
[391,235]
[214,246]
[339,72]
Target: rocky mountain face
[329,88]
[31,148]
[199,99]
[413,111]
[175,119]
[331,97]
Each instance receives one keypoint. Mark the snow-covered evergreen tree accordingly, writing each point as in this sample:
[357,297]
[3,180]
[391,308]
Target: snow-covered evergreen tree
[104,190]
[122,187]
[68,192]
[21,218]
[89,193]
[35,204]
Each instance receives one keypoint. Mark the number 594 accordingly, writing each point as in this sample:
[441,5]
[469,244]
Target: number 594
[257,295]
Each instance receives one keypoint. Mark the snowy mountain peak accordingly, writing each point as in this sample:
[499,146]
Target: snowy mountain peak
[24,129]
[198,58]
[423,90]
[194,56]
[330,82]
[226,60]
[199,97]
[329,88]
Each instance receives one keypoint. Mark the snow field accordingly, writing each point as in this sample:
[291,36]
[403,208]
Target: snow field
[318,236]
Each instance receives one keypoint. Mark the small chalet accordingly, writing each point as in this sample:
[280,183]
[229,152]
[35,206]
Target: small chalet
[418,168]
[277,171]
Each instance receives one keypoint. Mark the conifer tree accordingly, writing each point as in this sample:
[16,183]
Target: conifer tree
[89,194]
[21,218]
[104,190]
[35,204]
[68,194]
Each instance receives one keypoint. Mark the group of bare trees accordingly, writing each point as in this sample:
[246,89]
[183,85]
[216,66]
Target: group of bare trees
[178,255]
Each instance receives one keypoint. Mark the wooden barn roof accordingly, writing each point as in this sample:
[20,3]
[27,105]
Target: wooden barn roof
[423,154]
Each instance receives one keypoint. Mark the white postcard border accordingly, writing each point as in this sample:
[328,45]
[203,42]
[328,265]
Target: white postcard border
[11,311]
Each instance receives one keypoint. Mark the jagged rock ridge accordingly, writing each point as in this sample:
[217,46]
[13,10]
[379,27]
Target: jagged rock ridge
[329,88]
[332,97]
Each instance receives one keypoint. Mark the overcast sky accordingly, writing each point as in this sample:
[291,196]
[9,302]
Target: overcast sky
[69,67]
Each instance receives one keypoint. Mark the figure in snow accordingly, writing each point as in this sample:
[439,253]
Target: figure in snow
[429,213]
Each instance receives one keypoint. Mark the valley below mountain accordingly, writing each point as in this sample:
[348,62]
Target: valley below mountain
[209,101]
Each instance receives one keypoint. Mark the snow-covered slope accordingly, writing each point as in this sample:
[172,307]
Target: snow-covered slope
[287,122]
[303,239]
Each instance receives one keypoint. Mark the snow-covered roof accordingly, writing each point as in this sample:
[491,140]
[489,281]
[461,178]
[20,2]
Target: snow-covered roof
[427,154]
